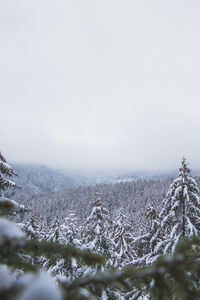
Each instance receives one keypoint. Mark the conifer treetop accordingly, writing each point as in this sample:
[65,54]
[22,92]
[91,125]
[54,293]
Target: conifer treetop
[96,228]
[184,169]
[7,206]
[180,215]
[5,168]
[6,171]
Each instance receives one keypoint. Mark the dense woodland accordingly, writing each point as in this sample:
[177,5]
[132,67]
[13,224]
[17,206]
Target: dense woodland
[101,242]
[133,196]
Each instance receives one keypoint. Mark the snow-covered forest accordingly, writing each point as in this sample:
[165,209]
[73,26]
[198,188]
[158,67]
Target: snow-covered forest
[99,152]
[133,196]
[107,241]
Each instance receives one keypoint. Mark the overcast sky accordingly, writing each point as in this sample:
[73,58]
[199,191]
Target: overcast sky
[100,84]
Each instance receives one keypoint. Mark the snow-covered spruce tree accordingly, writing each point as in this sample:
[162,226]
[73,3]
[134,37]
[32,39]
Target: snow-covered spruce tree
[96,238]
[68,236]
[96,230]
[43,228]
[69,230]
[180,214]
[6,171]
[51,265]
[7,205]
[54,231]
[32,226]
[122,236]
[144,244]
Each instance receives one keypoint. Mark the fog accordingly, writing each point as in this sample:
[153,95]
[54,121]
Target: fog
[100,84]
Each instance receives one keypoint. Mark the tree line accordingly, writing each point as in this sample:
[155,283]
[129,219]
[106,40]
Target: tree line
[104,258]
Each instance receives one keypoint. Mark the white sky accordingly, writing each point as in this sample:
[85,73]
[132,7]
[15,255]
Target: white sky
[103,84]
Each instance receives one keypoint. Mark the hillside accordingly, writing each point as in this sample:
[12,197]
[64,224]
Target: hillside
[34,179]
[133,196]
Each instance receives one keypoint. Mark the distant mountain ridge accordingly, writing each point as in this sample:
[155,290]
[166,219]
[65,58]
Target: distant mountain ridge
[34,178]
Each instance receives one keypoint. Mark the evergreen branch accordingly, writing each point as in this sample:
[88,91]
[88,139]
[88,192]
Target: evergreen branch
[169,273]
[49,249]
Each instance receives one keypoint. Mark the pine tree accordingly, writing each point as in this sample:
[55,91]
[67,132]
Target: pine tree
[180,214]
[43,228]
[7,205]
[6,171]
[122,237]
[54,231]
[145,243]
[69,235]
[95,234]
[182,205]
[96,238]
[32,227]
[69,230]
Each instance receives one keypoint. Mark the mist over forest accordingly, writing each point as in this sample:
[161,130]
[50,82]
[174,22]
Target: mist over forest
[99,150]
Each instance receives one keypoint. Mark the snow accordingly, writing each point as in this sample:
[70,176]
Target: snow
[6,169]
[40,287]
[167,218]
[74,263]
[190,227]
[177,192]
[97,229]
[192,180]
[173,231]
[55,269]
[176,242]
[7,279]
[176,204]
[196,197]
[104,295]
[169,243]
[145,236]
[9,231]
[152,283]
[185,191]
[92,245]
[11,203]
[158,246]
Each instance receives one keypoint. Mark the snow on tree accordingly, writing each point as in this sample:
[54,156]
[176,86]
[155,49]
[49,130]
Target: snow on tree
[40,286]
[31,226]
[9,231]
[17,284]
[96,229]
[5,203]
[182,205]
[69,229]
[180,214]
[145,243]
[69,235]
[6,171]
[122,237]
[43,228]
[54,231]
[151,213]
